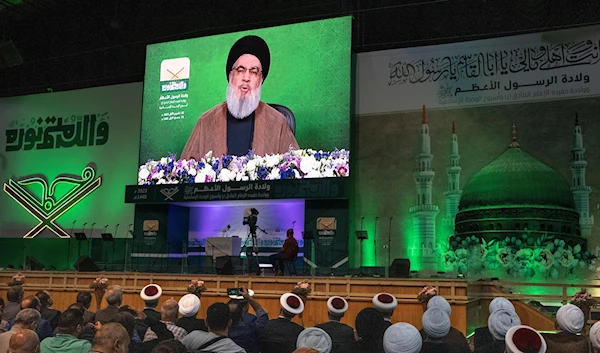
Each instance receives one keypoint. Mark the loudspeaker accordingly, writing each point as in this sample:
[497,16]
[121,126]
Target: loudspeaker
[33,264]
[400,268]
[224,266]
[86,264]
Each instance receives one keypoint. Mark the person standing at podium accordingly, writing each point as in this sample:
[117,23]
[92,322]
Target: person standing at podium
[288,252]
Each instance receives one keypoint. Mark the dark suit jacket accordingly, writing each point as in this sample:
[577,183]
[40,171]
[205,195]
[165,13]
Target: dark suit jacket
[279,336]
[429,347]
[564,342]
[455,339]
[89,316]
[152,314]
[341,335]
[493,347]
[107,313]
[51,315]
[191,323]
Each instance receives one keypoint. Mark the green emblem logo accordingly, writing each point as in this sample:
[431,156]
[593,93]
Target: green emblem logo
[48,208]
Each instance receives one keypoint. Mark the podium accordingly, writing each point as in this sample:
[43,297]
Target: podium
[223,246]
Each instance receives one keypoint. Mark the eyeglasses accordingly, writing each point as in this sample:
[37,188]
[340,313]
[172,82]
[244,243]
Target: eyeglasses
[241,70]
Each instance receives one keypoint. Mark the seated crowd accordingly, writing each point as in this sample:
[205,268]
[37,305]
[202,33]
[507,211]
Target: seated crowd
[30,325]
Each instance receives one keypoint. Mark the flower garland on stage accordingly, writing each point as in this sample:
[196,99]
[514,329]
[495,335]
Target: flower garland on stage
[522,256]
[295,164]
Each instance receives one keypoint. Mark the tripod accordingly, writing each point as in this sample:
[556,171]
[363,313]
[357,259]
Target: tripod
[252,259]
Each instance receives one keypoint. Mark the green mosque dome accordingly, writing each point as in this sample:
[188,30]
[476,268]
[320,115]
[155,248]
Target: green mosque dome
[516,178]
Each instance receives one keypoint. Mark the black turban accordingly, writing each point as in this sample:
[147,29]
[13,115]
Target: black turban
[250,45]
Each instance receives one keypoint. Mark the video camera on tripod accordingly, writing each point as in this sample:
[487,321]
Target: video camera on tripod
[251,219]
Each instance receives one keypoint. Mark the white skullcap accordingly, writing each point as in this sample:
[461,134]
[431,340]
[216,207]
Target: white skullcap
[570,318]
[436,322]
[314,338]
[595,335]
[500,321]
[337,305]
[189,305]
[240,297]
[385,302]
[520,339]
[402,338]
[291,303]
[151,292]
[440,302]
[501,303]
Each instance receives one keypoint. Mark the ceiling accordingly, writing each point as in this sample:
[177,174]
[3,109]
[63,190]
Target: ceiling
[71,44]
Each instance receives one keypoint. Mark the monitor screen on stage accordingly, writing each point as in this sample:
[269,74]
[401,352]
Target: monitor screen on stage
[265,104]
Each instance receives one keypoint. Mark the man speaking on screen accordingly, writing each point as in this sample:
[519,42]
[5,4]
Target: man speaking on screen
[242,123]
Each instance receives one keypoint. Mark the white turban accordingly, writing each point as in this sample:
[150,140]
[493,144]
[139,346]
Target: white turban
[402,338]
[570,318]
[500,321]
[595,335]
[436,322]
[189,305]
[314,338]
[501,303]
[439,302]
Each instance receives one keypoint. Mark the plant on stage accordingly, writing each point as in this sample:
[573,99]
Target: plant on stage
[295,164]
[17,280]
[100,283]
[426,293]
[196,287]
[523,256]
[302,289]
[583,299]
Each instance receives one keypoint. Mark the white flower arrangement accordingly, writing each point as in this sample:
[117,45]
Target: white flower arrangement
[295,164]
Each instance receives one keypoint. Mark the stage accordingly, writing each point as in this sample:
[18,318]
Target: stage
[469,300]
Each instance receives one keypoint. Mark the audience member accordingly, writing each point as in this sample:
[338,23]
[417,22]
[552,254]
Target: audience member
[24,341]
[218,321]
[14,295]
[247,317]
[436,324]
[3,323]
[110,338]
[150,294]
[524,339]
[88,328]
[170,346]
[402,338]
[128,321]
[168,311]
[499,322]
[570,321]
[454,338]
[68,334]
[280,335]
[595,337]
[189,305]
[242,333]
[139,325]
[43,328]
[114,298]
[314,338]
[47,312]
[85,299]
[385,303]
[341,334]
[482,336]
[370,327]
[26,319]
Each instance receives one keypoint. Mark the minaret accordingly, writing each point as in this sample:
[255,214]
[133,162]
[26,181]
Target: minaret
[453,193]
[581,192]
[425,212]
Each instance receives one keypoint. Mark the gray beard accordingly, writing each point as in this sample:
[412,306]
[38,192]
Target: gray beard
[240,108]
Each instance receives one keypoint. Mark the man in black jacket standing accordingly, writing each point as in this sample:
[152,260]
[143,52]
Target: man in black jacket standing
[341,334]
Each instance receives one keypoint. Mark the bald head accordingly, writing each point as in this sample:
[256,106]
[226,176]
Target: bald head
[169,310]
[24,341]
[31,302]
[111,338]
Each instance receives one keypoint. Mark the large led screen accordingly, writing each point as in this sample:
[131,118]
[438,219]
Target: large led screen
[263,104]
